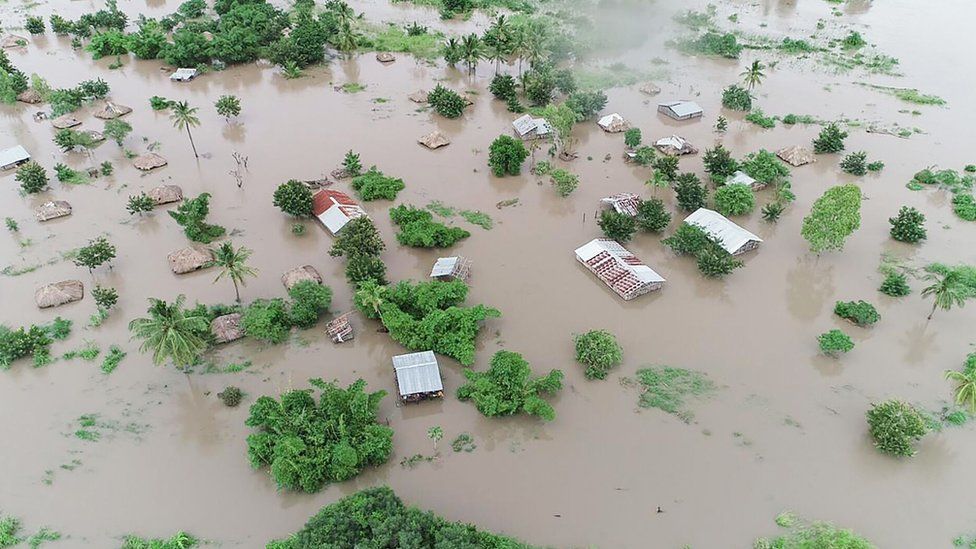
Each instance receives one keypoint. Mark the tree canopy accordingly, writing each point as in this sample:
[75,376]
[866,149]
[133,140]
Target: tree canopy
[508,388]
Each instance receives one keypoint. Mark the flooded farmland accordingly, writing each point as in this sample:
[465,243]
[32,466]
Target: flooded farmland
[784,430]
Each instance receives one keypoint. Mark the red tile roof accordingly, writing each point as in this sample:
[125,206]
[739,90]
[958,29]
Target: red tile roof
[326,198]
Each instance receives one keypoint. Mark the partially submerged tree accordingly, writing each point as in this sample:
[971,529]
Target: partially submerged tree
[947,290]
[507,388]
[191,215]
[228,106]
[736,199]
[598,351]
[32,177]
[833,218]
[233,265]
[294,198]
[754,75]
[171,333]
[690,192]
[834,341]
[908,225]
[652,216]
[351,164]
[719,163]
[98,252]
[617,226]
[895,426]
[185,117]
[117,130]
[506,155]
[736,99]
[830,140]
[140,203]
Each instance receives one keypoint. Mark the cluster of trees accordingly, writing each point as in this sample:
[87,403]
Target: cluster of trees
[191,215]
[447,103]
[12,80]
[713,259]
[373,185]
[360,243]
[65,100]
[307,443]
[419,230]
[34,341]
[508,388]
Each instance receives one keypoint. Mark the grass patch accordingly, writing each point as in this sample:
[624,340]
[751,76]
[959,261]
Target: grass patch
[463,443]
[353,87]
[478,218]
[909,95]
[394,39]
[669,389]
[112,359]
[616,75]
[760,119]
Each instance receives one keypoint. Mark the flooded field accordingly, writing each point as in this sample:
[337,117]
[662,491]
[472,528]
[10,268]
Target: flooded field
[784,431]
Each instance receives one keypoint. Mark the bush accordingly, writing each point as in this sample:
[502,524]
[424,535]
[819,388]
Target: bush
[231,396]
[564,181]
[964,206]
[505,156]
[586,103]
[617,226]
[191,214]
[736,199]
[351,164]
[759,118]
[117,130]
[666,167]
[446,103]
[140,203]
[895,426]
[599,351]
[34,25]
[363,268]
[855,163]
[861,313]
[228,105]
[309,300]
[713,260]
[875,166]
[713,43]
[834,341]
[830,140]
[105,298]
[503,87]
[267,320]
[98,252]
[506,388]
[294,198]
[419,230]
[895,285]
[908,225]
[158,103]
[307,444]
[32,177]
[652,216]
[690,192]
[644,156]
[736,98]
[764,167]
[715,263]
[632,137]
[772,211]
[719,163]
[373,185]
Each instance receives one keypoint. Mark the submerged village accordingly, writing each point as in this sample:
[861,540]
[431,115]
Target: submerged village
[487,273]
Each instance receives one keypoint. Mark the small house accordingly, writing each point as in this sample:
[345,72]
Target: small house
[680,110]
[619,269]
[526,127]
[796,155]
[418,376]
[335,208]
[675,145]
[339,329]
[385,57]
[52,210]
[613,123]
[451,268]
[733,238]
[112,110]
[650,88]
[13,157]
[183,75]
[59,293]
[625,203]
[742,178]
[419,96]
[30,96]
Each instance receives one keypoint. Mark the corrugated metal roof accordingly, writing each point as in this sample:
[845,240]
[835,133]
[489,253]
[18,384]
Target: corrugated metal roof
[417,373]
[444,266]
[610,120]
[335,208]
[740,178]
[526,125]
[717,225]
[682,108]
[625,203]
[616,253]
[13,155]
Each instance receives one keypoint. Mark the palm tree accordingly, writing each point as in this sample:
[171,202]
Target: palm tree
[452,51]
[171,332]
[947,289]
[471,51]
[753,76]
[185,116]
[496,53]
[502,30]
[965,387]
[233,265]
[518,46]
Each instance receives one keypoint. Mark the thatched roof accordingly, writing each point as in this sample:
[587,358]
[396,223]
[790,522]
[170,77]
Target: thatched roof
[112,110]
[650,88]
[164,194]
[434,140]
[299,274]
[385,57]
[796,155]
[59,293]
[65,121]
[95,136]
[52,210]
[419,96]
[189,259]
[13,41]
[227,328]
[148,161]
[31,96]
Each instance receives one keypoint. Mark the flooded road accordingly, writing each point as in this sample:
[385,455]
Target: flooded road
[785,431]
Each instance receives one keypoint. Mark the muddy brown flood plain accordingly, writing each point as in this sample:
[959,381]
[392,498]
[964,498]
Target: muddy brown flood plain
[785,430]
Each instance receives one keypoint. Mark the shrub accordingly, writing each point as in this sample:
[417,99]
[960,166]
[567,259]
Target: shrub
[875,166]
[373,185]
[419,230]
[713,260]
[307,444]
[644,156]
[964,206]
[895,285]
[191,214]
[267,320]
[32,177]
[861,313]
[564,181]
[666,167]
[160,103]
[309,300]
[713,43]
[834,341]
[599,351]
[830,140]
[231,396]
[228,106]
[853,40]
[855,163]
[908,225]
[34,25]
[719,163]
[446,103]
[140,203]
[503,87]
[117,130]
[652,216]
[505,156]
[98,252]
[586,103]
[112,42]
[895,426]
[772,211]
[105,298]
[736,98]
[716,263]
[736,199]
[759,118]
[351,164]
[362,268]
[833,217]
[690,192]
[294,198]
[632,137]
[506,388]
[617,226]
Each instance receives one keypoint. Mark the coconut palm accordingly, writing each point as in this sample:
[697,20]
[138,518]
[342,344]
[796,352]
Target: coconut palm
[452,51]
[518,45]
[471,51]
[753,76]
[947,289]
[171,332]
[965,387]
[496,53]
[501,29]
[185,116]
[233,265]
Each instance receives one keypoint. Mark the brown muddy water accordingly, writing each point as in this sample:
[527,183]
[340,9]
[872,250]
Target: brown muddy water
[785,431]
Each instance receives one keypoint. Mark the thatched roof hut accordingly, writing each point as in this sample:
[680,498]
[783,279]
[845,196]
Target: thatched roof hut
[300,274]
[165,194]
[95,136]
[13,41]
[189,259]
[52,210]
[796,155]
[65,121]
[112,110]
[385,57]
[30,96]
[649,88]
[59,293]
[434,140]
[227,328]
[419,96]
[149,161]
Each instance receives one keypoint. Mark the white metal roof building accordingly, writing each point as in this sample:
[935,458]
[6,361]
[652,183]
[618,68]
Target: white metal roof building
[619,269]
[183,75]
[527,127]
[734,239]
[675,145]
[613,123]
[451,268]
[418,375]
[742,178]
[680,110]
[13,157]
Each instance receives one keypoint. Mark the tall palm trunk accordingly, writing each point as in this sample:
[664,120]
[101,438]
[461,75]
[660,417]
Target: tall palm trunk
[192,144]
[932,312]
[237,290]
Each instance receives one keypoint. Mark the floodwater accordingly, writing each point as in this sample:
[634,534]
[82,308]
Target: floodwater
[785,431]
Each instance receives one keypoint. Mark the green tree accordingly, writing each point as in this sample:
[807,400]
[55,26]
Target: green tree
[764,167]
[564,181]
[105,298]
[171,332]
[586,104]
[472,51]
[855,163]
[965,392]
[452,52]
[598,351]
[737,99]
[267,320]
[32,177]
[189,48]
[507,388]
[735,199]
[351,164]
[309,300]
[140,203]
[294,198]
[34,25]
[617,226]
[445,102]
[947,289]
[895,426]
[895,285]
[632,137]
[834,217]
[503,87]
[830,140]
[98,252]
[754,75]
[690,192]
[358,237]
[228,106]
[117,130]
[185,117]
[652,216]
[191,215]
[860,312]
[505,155]
[419,230]
[373,185]
[70,140]
[719,163]
[834,341]
[148,41]
[233,265]
[908,225]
